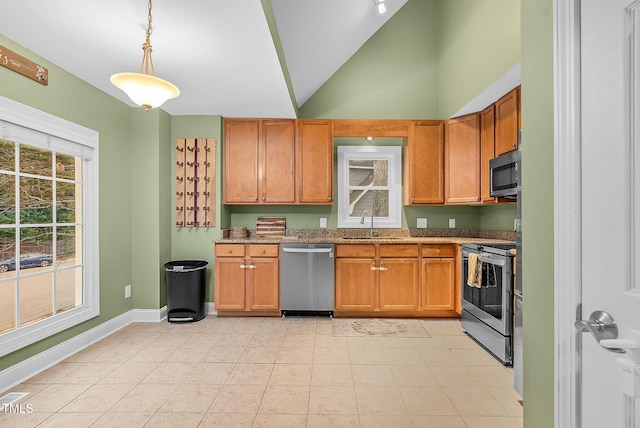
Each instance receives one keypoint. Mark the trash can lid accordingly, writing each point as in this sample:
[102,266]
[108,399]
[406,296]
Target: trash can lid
[185,265]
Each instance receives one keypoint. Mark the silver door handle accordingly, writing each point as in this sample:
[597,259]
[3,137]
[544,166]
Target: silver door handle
[602,326]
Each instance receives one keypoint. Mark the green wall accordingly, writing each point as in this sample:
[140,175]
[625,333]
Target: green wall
[72,99]
[537,215]
[479,42]
[189,243]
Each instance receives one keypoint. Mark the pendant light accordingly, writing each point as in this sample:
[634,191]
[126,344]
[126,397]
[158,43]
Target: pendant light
[144,88]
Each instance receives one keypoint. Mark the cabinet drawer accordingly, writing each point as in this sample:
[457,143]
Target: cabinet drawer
[263,250]
[229,250]
[355,250]
[434,250]
[399,250]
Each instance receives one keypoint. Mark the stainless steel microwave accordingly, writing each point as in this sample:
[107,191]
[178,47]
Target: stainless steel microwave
[504,175]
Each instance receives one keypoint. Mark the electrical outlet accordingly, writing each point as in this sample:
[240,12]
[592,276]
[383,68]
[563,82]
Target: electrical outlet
[422,223]
[323,222]
[452,223]
[127,291]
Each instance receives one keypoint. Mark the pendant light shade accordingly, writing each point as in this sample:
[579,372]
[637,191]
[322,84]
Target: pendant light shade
[144,88]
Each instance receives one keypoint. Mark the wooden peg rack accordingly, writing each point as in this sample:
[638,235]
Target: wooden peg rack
[195,182]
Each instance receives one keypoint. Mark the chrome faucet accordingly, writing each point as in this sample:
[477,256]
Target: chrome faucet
[364,214]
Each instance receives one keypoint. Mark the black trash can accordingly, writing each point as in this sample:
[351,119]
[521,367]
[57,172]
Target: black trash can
[185,290]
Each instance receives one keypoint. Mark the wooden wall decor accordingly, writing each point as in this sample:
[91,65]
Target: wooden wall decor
[195,182]
[22,65]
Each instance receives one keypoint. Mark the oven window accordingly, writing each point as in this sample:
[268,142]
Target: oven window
[488,297]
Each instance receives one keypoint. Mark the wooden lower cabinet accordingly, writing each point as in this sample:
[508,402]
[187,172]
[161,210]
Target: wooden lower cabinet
[438,278]
[399,284]
[247,279]
[355,285]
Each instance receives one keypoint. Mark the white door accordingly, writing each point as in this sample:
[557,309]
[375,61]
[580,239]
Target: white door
[610,207]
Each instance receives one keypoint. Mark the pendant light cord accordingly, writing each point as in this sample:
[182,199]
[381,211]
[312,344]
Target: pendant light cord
[147,62]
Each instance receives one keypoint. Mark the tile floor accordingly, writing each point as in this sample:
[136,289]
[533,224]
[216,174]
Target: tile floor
[272,372]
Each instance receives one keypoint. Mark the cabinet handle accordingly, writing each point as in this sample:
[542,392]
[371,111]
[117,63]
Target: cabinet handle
[329,198]
[413,199]
[263,251]
[229,251]
[513,145]
[381,266]
[373,265]
[255,199]
[438,250]
[264,198]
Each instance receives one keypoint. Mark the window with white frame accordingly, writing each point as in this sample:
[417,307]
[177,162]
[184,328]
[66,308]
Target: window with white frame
[48,225]
[369,184]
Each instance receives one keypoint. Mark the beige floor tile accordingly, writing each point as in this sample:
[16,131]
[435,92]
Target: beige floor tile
[328,341]
[402,356]
[295,355]
[461,341]
[145,397]
[330,356]
[128,420]
[228,420]
[267,339]
[15,420]
[188,354]
[474,357]
[332,400]
[438,357]
[372,375]
[291,374]
[265,420]
[173,420]
[438,421]
[454,376]
[474,401]
[380,400]
[299,341]
[508,398]
[285,399]
[333,421]
[88,353]
[191,398]
[210,373]
[418,375]
[234,340]
[367,356]
[119,353]
[89,373]
[250,374]
[66,420]
[301,329]
[155,353]
[493,376]
[384,421]
[332,374]
[492,422]
[363,342]
[132,373]
[30,389]
[170,373]
[427,401]
[224,354]
[238,399]
[56,396]
[55,373]
[259,354]
[243,329]
[98,398]
[203,339]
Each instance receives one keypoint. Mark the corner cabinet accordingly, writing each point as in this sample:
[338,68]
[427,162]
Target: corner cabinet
[314,144]
[247,279]
[424,163]
[462,160]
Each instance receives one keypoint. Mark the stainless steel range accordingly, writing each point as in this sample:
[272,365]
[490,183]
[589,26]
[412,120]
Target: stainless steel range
[487,307]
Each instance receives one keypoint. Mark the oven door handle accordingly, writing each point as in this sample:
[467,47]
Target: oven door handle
[487,258]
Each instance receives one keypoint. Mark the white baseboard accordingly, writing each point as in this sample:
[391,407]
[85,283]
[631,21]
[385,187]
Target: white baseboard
[210,308]
[30,367]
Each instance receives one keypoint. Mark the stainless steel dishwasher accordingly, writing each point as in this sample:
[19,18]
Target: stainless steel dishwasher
[306,279]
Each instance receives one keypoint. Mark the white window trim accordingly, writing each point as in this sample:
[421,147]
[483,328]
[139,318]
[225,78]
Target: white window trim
[393,154]
[16,118]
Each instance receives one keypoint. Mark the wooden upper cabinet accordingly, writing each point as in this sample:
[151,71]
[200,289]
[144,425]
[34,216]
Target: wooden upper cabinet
[314,144]
[241,137]
[277,162]
[507,122]
[424,163]
[462,160]
[487,152]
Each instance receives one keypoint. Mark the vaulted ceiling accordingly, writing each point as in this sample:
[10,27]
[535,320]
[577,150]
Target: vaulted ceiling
[222,54]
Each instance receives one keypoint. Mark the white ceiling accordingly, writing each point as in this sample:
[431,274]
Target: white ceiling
[220,53]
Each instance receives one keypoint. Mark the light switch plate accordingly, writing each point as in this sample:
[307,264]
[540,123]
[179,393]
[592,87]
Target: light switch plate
[323,222]
[422,223]
[452,223]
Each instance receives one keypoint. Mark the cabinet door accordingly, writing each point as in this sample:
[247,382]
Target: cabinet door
[507,117]
[240,170]
[314,143]
[462,160]
[229,292]
[277,158]
[355,284]
[438,284]
[424,163]
[262,284]
[487,152]
[399,279]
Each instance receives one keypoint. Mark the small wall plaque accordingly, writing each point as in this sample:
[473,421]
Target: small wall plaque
[22,65]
